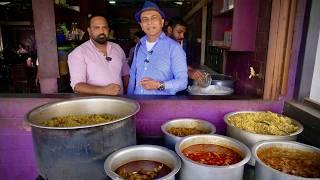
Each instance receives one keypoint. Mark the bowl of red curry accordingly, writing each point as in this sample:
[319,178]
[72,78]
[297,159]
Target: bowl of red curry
[212,156]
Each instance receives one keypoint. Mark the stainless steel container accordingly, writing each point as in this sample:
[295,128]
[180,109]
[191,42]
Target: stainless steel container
[222,80]
[79,152]
[170,140]
[264,172]
[250,139]
[142,152]
[196,171]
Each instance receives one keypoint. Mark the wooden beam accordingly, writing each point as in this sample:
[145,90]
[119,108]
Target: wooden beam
[273,35]
[279,48]
[196,8]
[203,34]
[285,76]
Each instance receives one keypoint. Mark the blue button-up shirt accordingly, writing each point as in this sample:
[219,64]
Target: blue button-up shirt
[166,62]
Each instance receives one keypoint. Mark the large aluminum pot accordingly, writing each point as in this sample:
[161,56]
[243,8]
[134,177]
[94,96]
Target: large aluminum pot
[196,171]
[79,152]
[142,152]
[250,139]
[170,140]
[264,172]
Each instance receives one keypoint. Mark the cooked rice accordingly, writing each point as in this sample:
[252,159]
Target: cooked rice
[264,123]
[79,120]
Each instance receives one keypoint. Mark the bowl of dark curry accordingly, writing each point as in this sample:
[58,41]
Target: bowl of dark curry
[286,160]
[212,156]
[176,129]
[145,162]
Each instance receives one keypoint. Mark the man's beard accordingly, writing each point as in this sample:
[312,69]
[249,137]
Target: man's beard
[179,40]
[101,39]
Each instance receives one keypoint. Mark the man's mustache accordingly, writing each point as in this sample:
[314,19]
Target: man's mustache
[102,35]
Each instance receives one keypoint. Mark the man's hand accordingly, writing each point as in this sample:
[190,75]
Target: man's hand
[196,74]
[149,84]
[111,89]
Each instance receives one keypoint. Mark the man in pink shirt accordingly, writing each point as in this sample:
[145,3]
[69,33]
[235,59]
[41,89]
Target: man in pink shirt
[98,66]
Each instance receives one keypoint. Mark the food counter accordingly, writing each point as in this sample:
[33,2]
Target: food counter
[17,160]
[16,143]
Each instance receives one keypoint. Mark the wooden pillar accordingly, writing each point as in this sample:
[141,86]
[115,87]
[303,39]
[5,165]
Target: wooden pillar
[279,48]
[203,34]
[45,33]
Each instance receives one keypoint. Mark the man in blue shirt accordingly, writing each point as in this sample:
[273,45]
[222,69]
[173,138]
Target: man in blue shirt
[159,65]
[176,29]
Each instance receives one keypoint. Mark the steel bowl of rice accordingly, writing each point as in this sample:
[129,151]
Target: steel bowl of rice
[251,127]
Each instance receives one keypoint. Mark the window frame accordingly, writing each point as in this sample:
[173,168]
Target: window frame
[308,51]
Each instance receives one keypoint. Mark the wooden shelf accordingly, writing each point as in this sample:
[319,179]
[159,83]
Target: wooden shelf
[241,19]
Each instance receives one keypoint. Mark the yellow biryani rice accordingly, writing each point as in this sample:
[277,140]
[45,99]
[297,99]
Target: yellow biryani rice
[79,120]
[264,123]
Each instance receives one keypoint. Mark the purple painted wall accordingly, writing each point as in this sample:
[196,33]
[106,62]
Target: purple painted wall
[16,152]
[242,21]
[238,63]
[244,25]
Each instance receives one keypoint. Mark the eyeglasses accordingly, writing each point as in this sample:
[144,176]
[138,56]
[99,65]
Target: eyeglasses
[146,20]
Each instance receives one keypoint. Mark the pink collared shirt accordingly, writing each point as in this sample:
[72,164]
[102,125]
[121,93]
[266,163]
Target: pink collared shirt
[88,65]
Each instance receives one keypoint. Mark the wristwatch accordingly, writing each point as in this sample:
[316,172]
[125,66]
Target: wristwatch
[161,86]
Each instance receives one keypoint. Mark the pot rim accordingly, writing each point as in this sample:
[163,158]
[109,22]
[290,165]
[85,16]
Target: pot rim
[45,106]
[260,144]
[226,117]
[164,126]
[222,75]
[246,158]
[114,175]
